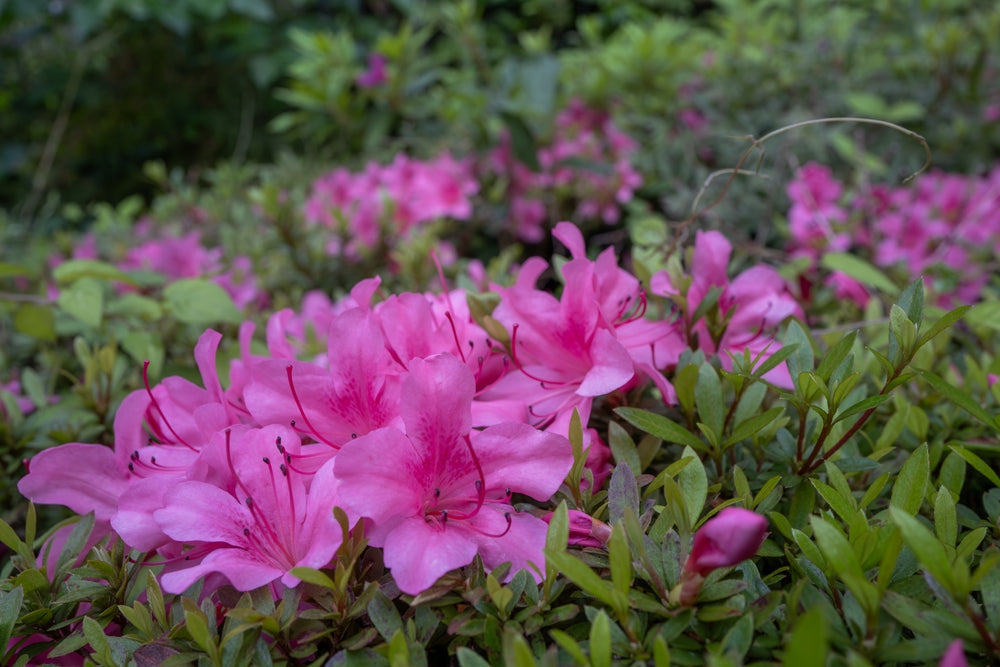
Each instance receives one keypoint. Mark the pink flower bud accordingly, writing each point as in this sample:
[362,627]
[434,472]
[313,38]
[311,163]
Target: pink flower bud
[585,530]
[954,656]
[728,539]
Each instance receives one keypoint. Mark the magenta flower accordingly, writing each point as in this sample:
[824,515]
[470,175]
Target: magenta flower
[375,75]
[439,493]
[266,519]
[729,538]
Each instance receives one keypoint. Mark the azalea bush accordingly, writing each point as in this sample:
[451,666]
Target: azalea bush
[513,357]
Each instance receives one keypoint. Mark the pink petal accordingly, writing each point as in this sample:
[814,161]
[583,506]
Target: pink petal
[437,400]
[418,554]
[612,366]
[571,237]
[523,458]
[199,512]
[82,477]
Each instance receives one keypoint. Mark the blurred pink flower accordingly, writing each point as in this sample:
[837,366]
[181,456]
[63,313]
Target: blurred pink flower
[376,74]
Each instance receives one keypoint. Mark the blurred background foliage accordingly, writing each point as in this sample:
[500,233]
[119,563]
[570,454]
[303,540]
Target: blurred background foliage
[90,90]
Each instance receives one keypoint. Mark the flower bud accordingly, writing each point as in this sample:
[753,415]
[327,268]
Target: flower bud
[728,539]
[954,656]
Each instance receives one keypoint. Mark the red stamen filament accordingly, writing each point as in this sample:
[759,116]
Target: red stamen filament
[295,396]
[267,538]
[454,333]
[513,354]
[443,515]
[155,404]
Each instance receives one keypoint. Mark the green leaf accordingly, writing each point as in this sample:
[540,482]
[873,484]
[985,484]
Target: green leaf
[94,633]
[600,641]
[959,398]
[623,493]
[836,501]
[661,427]
[859,269]
[576,571]
[557,535]
[693,481]
[84,300]
[197,626]
[803,359]
[973,459]
[384,616]
[912,301]
[36,321]
[943,323]
[808,643]
[708,399]
[739,639]
[10,610]
[929,551]
[622,447]
[835,355]
[522,141]
[200,302]
[75,269]
[753,425]
[620,560]
[945,517]
[911,485]
[567,644]
[313,576]
[469,658]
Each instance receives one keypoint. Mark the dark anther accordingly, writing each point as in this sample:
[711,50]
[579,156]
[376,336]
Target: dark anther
[131,467]
[284,470]
[277,441]
[246,532]
[353,436]
[267,460]
[249,502]
[437,493]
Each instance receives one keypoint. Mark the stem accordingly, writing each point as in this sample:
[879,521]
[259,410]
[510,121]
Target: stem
[810,464]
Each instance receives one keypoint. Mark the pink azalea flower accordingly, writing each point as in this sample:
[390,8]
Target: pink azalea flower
[749,308]
[266,520]
[357,394]
[570,350]
[439,493]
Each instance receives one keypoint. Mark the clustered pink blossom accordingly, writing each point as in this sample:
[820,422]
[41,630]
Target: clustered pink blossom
[404,412]
[184,256]
[386,202]
[944,227]
[588,163]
